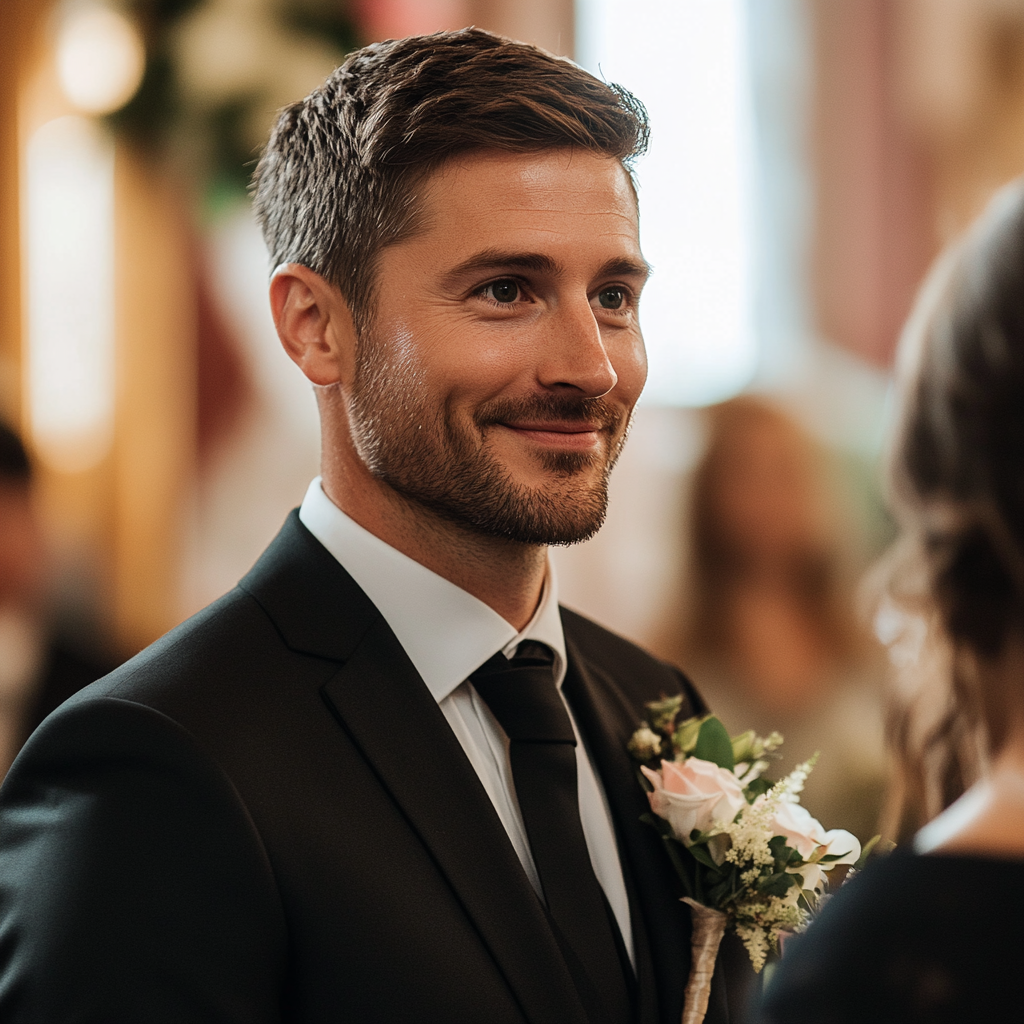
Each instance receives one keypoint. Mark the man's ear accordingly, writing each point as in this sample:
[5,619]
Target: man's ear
[314,324]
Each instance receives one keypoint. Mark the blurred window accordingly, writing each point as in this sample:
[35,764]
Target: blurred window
[70,232]
[687,61]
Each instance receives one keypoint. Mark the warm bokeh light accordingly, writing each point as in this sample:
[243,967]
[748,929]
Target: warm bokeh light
[70,222]
[100,59]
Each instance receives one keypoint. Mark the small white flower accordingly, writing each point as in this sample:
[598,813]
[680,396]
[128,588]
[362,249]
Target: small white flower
[645,744]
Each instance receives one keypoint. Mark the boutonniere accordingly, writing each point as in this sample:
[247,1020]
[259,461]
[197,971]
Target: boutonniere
[752,860]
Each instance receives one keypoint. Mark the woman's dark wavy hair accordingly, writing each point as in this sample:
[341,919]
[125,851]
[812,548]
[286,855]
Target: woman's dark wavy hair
[957,487]
[339,177]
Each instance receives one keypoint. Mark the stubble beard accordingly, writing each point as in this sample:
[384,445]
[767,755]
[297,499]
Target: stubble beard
[429,458]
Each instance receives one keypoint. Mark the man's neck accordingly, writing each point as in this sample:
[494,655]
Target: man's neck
[506,575]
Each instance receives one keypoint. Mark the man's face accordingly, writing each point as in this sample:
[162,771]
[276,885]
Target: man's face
[495,384]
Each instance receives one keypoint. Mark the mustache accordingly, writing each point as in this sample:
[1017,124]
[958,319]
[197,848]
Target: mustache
[564,408]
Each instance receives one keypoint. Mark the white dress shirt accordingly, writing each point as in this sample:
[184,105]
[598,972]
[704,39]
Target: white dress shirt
[448,634]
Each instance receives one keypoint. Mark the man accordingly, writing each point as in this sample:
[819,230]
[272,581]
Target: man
[385,778]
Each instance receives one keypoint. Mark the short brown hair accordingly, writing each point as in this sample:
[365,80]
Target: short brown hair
[337,181]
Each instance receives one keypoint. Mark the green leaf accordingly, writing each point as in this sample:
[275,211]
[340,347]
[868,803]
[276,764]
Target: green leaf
[865,852]
[662,713]
[674,855]
[700,854]
[718,893]
[777,885]
[743,746]
[713,744]
[686,735]
[757,788]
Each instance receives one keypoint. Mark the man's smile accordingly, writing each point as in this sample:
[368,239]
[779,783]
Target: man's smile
[558,433]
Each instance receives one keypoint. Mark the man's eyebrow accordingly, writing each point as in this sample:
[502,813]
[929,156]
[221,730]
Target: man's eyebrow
[626,267]
[499,259]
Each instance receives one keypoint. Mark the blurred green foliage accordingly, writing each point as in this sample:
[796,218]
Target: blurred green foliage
[211,140]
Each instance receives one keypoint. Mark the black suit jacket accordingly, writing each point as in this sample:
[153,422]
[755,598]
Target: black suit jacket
[266,817]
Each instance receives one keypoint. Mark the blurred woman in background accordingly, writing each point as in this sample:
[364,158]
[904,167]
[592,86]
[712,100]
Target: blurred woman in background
[770,628]
[933,935]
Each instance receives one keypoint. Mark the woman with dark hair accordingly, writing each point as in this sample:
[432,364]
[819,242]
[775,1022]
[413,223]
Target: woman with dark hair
[933,935]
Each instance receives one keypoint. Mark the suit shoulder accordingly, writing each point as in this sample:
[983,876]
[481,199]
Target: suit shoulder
[224,631]
[628,663]
[224,673]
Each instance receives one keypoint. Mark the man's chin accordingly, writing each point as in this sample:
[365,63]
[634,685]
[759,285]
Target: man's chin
[548,532]
[554,469]
[551,513]
[547,514]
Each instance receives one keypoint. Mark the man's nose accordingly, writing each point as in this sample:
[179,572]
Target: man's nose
[575,355]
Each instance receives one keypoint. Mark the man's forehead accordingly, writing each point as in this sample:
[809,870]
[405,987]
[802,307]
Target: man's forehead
[565,179]
[531,201]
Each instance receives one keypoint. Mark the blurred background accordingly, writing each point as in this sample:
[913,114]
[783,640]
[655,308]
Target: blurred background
[809,159]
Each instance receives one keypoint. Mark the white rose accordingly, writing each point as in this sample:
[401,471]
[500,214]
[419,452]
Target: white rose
[805,834]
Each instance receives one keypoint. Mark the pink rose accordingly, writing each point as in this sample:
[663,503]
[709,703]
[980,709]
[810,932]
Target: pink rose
[694,794]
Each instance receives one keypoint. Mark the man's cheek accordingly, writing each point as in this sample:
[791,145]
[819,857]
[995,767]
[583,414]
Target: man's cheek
[631,369]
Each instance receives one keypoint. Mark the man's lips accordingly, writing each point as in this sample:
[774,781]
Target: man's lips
[558,433]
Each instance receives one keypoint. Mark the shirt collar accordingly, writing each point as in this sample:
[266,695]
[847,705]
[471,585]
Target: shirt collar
[446,632]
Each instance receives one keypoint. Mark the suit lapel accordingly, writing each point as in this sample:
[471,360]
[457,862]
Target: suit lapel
[383,705]
[661,928]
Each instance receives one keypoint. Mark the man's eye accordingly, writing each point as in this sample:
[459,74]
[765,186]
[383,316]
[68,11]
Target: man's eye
[502,291]
[612,298]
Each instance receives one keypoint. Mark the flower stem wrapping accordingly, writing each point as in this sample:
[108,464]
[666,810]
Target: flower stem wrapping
[708,929]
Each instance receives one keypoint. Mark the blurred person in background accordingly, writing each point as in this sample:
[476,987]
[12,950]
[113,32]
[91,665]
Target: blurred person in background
[39,668]
[769,625]
[932,934]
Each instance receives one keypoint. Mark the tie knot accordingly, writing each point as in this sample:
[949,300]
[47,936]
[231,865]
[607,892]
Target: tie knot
[522,695]
[533,652]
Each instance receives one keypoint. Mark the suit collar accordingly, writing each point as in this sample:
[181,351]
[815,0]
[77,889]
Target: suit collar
[446,631]
[315,605]
[381,702]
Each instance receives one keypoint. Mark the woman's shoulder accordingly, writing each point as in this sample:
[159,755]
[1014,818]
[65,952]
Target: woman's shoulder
[903,895]
[915,872]
[910,938]
[989,817]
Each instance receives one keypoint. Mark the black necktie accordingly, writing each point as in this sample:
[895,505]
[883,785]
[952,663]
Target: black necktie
[522,695]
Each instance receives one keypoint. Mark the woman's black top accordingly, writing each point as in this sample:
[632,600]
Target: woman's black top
[910,939]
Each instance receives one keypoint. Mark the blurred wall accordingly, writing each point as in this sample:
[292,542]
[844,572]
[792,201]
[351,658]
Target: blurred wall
[918,116]
[114,526]
[547,23]
[18,32]
[873,230]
